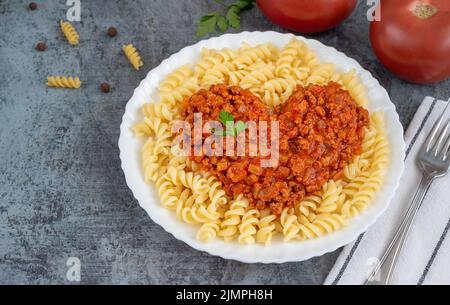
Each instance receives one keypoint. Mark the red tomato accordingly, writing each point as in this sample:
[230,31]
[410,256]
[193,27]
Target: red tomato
[413,39]
[307,16]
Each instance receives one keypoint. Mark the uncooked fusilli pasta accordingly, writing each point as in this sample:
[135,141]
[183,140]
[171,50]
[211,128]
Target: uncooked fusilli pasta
[64,82]
[133,56]
[69,32]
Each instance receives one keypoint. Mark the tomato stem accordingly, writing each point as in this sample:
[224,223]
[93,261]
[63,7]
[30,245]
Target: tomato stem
[424,10]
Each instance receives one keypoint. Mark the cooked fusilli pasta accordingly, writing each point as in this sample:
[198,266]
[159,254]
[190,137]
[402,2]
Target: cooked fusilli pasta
[232,218]
[175,78]
[321,225]
[248,56]
[258,76]
[159,110]
[288,56]
[208,231]
[191,180]
[247,228]
[198,198]
[289,224]
[321,74]
[189,86]
[167,193]
[330,197]
[266,227]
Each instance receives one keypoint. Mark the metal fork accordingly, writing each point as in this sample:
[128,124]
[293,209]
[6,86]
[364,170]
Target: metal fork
[434,160]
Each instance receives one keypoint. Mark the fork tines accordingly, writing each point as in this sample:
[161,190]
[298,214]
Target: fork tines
[439,138]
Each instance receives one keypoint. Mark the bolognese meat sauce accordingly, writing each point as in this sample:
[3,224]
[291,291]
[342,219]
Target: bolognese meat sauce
[321,130]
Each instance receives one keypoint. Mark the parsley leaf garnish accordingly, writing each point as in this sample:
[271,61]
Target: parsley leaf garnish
[230,17]
[226,118]
[207,24]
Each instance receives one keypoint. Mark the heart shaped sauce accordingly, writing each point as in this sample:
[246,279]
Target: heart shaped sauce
[320,130]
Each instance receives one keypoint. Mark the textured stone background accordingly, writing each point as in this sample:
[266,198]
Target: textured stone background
[62,192]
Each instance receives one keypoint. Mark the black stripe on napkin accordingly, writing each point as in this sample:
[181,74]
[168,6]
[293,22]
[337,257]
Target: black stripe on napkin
[435,252]
[347,260]
[355,246]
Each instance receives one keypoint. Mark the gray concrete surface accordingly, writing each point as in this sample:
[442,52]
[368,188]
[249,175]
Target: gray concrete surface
[62,192]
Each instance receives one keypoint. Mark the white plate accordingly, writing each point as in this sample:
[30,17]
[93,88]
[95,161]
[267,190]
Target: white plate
[278,251]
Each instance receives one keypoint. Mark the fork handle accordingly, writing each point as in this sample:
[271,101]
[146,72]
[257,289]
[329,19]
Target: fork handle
[388,261]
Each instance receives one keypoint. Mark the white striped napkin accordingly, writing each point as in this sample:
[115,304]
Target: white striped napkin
[425,258]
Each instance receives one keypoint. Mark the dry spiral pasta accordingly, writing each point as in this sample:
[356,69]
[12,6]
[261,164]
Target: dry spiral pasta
[69,32]
[197,198]
[133,56]
[64,82]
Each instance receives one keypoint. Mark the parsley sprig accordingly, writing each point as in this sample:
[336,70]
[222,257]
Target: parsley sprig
[227,119]
[230,17]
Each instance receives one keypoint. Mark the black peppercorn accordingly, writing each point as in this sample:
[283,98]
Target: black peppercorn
[41,46]
[105,87]
[112,31]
